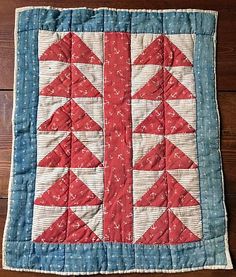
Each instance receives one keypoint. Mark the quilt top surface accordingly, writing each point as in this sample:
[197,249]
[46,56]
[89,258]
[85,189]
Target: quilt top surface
[116,164]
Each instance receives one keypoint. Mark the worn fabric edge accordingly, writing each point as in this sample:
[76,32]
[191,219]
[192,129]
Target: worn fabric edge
[114,9]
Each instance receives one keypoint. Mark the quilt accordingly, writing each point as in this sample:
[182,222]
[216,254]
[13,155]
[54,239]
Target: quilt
[116,163]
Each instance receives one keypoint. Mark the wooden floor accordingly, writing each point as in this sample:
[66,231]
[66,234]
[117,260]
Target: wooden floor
[226,83]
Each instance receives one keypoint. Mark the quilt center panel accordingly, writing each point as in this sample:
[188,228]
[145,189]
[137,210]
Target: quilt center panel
[116,139]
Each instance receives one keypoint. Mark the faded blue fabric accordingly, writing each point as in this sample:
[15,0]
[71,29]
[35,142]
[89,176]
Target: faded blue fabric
[20,251]
[88,20]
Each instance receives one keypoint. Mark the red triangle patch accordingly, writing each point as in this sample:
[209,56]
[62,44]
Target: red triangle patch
[68,228]
[59,156]
[176,159]
[163,85]
[167,192]
[164,120]
[61,86]
[68,117]
[162,52]
[178,196]
[158,233]
[81,53]
[157,195]
[68,191]
[81,121]
[167,229]
[58,51]
[154,159]
[81,156]
[70,152]
[81,86]
[70,49]
[153,123]
[71,83]
[174,123]
[178,232]
[153,54]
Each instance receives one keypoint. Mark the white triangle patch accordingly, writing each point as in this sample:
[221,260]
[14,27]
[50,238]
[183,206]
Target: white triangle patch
[144,218]
[93,106]
[94,73]
[47,106]
[191,218]
[94,41]
[49,71]
[185,43]
[93,178]
[46,177]
[189,179]
[47,38]
[184,74]
[141,74]
[42,222]
[186,108]
[47,141]
[92,216]
[139,42]
[186,143]
[141,108]
[142,181]
[93,140]
[143,143]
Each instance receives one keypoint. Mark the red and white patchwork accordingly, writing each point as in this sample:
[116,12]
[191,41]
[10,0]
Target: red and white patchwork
[116,139]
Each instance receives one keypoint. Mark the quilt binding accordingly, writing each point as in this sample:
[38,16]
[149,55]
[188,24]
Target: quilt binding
[136,270]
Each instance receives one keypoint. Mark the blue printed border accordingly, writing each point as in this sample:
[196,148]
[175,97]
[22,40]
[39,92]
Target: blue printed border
[22,254]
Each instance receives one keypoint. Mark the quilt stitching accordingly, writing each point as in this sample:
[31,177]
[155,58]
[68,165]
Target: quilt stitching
[210,249]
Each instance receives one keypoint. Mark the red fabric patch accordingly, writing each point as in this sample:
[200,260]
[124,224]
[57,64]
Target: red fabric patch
[167,229]
[68,228]
[163,86]
[164,120]
[162,52]
[70,49]
[167,192]
[118,139]
[68,190]
[70,117]
[70,152]
[71,83]
[164,155]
